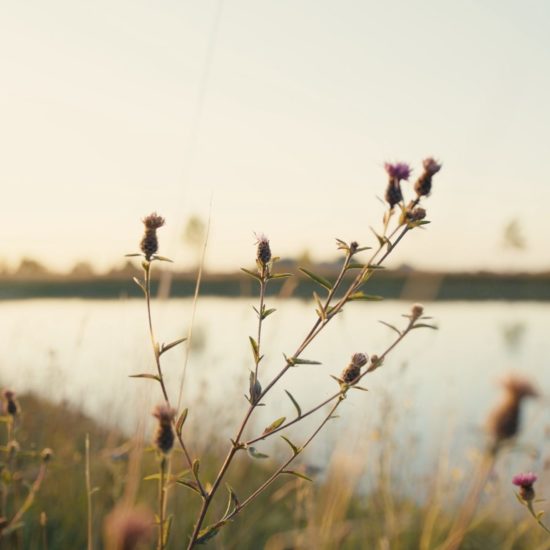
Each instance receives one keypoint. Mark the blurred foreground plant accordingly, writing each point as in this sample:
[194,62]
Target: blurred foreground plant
[17,492]
[398,220]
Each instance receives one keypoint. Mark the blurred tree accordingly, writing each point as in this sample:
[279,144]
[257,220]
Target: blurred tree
[194,235]
[29,267]
[513,237]
[82,269]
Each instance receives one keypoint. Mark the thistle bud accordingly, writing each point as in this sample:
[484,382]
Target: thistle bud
[10,405]
[263,254]
[149,243]
[359,359]
[417,311]
[164,436]
[396,172]
[423,185]
[353,370]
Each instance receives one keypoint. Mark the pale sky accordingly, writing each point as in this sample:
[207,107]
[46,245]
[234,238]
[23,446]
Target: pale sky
[279,113]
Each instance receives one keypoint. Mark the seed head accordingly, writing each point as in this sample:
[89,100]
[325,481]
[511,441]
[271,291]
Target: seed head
[431,166]
[164,436]
[351,373]
[416,214]
[149,243]
[525,483]
[503,422]
[127,528]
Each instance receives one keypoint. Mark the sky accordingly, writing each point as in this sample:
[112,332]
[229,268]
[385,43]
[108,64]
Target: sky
[272,117]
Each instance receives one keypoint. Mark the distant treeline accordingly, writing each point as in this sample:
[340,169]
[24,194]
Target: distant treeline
[406,284]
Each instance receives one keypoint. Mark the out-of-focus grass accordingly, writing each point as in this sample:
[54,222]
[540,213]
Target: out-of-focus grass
[330,513]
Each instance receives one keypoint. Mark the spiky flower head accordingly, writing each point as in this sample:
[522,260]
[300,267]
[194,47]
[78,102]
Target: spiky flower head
[128,528]
[503,422]
[263,253]
[423,185]
[525,483]
[417,311]
[359,359]
[398,170]
[164,436]
[149,243]
[353,370]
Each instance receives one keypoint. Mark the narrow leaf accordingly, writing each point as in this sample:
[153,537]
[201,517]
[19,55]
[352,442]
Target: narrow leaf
[295,449]
[298,361]
[252,274]
[297,474]
[320,308]
[190,484]
[256,454]
[295,403]
[150,376]
[208,533]
[317,278]
[166,347]
[424,325]
[390,326]
[140,284]
[151,477]
[280,275]
[255,349]
[365,297]
[181,421]
[162,259]
[196,466]
[355,265]
[268,312]
[274,425]
[133,255]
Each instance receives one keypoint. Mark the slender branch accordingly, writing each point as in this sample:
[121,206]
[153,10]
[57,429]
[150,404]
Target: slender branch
[89,492]
[162,493]
[536,516]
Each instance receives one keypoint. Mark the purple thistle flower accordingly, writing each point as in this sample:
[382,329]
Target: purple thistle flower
[398,170]
[524,480]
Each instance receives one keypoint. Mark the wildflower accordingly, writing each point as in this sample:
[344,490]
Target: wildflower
[353,370]
[396,172]
[149,243]
[127,528]
[423,184]
[10,405]
[263,253]
[525,483]
[503,422]
[413,214]
[164,436]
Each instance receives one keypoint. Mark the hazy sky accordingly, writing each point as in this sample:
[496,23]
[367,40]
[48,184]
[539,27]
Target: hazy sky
[281,113]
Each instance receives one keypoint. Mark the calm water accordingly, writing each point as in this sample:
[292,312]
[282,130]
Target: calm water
[435,384]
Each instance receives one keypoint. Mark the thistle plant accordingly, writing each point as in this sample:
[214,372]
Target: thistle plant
[17,491]
[399,219]
[526,495]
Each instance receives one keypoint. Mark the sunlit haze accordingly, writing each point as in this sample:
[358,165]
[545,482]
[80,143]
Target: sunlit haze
[275,117]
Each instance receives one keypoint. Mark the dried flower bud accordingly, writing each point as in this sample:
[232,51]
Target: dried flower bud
[416,214]
[354,245]
[423,185]
[127,528]
[10,405]
[374,362]
[503,422]
[164,436]
[359,359]
[149,243]
[263,252]
[393,194]
[46,454]
[417,311]
[351,373]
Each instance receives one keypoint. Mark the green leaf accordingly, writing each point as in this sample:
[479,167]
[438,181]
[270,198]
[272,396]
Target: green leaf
[181,421]
[209,533]
[390,326]
[151,477]
[256,454]
[196,466]
[255,349]
[150,376]
[297,474]
[320,308]
[355,387]
[355,265]
[381,239]
[295,403]
[274,425]
[317,278]
[165,347]
[133,255]
[232,500]
[162,259]
[364,297]
[252,274]
[268,312]
[295,449]
[255,389]
[190,484]
[280,275]
[297,361]
[424,325]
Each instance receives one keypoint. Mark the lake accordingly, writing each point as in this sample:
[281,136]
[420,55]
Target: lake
[437,386]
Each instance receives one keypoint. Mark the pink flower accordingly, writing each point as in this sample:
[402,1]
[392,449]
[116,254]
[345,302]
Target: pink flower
[524,480]
[431,166]
[398,170]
